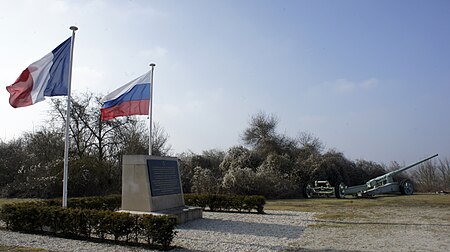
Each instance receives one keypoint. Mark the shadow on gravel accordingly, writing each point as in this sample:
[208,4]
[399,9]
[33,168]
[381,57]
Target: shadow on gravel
[235,245]
[247,228]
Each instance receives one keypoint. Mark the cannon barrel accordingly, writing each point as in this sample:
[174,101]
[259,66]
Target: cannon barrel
[389,175]
[392,173]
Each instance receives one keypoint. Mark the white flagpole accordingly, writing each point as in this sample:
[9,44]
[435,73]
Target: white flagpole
[150,111]
[66,148]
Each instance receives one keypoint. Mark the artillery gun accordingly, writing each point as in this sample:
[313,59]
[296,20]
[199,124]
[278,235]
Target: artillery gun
[380,185]
[320,188]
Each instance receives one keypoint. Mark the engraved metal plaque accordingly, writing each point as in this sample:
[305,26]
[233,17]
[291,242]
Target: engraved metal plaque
[164,177]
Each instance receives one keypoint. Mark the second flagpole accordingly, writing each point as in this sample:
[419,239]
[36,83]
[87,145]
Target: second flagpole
[66,147]
[150,112]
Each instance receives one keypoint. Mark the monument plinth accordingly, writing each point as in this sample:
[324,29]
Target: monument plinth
[152,185]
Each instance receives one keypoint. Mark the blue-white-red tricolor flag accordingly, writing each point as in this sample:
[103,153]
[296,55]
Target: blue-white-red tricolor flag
[48,76]
[131,99]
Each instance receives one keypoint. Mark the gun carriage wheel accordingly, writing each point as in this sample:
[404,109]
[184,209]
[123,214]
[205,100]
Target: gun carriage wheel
[339,190]
[308,191]
[406,187]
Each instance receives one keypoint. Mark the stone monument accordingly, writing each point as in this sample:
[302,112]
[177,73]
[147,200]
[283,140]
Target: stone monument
[152,185]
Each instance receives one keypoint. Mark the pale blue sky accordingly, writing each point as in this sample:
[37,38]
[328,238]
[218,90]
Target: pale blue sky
[369,78]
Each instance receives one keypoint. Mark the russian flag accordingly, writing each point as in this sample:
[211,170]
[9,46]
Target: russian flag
[48,76]
[131,99]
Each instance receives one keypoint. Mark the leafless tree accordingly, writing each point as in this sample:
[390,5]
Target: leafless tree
[426,177]
[444,169]
[105,139]
[309,141]
[88,134]
[262,137]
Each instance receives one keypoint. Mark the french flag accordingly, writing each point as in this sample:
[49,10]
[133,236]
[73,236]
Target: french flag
[48,76]
[131,99]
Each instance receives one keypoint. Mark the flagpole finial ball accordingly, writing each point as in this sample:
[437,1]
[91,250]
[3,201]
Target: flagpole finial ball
[152,64]
[73,28]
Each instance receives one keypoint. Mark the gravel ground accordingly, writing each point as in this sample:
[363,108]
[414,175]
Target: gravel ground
[415,229]
[215,232]
[243,232]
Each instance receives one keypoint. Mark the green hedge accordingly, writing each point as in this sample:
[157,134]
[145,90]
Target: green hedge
[214,202]
[94,217]
[42,217]
[111,202]
[222,202]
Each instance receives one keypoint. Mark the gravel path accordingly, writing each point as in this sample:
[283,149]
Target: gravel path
[215,232]
[243,232]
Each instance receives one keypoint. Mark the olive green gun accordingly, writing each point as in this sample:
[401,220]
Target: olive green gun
[381,185]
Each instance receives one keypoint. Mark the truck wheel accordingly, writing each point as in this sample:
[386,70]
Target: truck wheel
[339,190]
[406,187]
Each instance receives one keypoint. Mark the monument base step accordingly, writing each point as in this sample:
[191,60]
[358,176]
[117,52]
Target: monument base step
[183,214]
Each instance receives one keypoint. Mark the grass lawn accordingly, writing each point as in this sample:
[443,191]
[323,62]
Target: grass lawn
[323,204]
[360,208]
[389,223]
